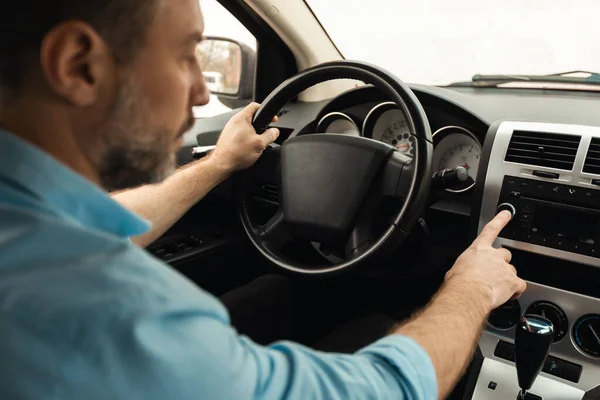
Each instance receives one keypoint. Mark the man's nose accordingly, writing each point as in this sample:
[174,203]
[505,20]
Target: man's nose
[201,94]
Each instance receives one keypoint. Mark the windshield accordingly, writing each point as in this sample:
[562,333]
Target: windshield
[437,42]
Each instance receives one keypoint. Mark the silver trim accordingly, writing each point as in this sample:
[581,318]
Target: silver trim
[468,133]
[571,329]
[385,104]
[341,114]
[574,305]
[206,149]
[512,208]
[536,324]
[498,168]
[202,149]
[507,387]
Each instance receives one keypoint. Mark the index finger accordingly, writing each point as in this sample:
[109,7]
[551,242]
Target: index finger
[493,228]
[249,111]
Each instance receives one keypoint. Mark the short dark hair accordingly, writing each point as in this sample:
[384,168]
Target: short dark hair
[25,23]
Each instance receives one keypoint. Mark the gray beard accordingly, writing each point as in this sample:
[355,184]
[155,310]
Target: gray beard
[132,152]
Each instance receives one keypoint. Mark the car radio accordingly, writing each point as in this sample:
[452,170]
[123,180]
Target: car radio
[549,176]
[553,215]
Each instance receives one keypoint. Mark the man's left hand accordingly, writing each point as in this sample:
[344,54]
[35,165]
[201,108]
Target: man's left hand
[239,146]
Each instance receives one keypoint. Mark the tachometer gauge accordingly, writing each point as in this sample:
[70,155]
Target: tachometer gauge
[337,122]
[387,123]
[454,147]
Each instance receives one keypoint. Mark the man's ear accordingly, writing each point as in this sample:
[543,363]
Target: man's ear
[76,62]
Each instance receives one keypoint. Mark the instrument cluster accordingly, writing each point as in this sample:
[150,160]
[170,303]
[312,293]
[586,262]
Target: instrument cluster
[454,146]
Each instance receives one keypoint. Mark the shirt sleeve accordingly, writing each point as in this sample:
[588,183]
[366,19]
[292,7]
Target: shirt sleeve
[193,354]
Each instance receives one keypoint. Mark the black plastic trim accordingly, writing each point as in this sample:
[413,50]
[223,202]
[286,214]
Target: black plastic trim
[274,60]
[593,394]
[475,369]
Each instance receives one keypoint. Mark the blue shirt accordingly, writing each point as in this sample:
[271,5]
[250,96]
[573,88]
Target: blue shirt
[85,314]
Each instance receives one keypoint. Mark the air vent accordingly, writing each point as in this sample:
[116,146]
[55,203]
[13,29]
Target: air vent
[592,160]
[543,149]
[265,193]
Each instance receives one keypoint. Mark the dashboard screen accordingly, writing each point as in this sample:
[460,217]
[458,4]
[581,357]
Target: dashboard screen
[568,223]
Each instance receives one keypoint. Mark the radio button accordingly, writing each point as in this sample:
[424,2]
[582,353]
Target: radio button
[510,182]
[525,227]
[526,216]
[586,194]
[525,184]
[507,206]
[587,249]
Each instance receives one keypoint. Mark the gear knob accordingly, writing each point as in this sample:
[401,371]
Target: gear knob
[533,336]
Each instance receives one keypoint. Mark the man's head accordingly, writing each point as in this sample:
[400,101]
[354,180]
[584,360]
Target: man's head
[118,77]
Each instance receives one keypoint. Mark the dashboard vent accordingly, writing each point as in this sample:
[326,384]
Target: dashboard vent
[543,149]
[592,160]
[265,193]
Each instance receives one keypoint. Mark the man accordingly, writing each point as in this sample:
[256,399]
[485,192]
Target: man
[94,96]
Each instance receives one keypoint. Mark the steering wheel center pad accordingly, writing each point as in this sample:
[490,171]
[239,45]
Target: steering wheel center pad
[325,180]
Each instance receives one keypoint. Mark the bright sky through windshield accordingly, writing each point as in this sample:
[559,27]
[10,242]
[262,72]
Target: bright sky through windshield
[442,41]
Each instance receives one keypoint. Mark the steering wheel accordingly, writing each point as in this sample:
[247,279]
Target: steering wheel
[326,189]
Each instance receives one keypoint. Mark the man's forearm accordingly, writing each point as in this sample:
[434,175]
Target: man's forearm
[165,203]
[448,329]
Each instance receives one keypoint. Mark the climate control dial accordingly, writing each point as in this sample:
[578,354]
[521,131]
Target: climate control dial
[506,316]
[555,314]
[586,335]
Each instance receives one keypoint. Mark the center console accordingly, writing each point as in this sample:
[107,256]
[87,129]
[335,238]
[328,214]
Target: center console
[548,176]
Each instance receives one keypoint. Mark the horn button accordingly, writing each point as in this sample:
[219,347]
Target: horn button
[324,181]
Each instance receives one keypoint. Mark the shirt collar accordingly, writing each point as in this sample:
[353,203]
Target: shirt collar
[62,190]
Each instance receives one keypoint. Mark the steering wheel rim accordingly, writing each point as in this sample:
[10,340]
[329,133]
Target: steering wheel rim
[421,164]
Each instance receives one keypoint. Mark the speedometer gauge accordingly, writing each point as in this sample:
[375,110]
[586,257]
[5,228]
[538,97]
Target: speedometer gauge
[387,123]
[337,122]
[454,147]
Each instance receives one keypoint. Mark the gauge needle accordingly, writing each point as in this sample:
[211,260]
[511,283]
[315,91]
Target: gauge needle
[403,146]
[595,334]
[465,165]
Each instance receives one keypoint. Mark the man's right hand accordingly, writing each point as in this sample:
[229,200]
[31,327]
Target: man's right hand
[485,268]
[239,146]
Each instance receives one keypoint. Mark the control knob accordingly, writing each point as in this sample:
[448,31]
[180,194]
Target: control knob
[507,206]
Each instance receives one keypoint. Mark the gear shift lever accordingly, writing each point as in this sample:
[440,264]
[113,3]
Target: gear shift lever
[533,337]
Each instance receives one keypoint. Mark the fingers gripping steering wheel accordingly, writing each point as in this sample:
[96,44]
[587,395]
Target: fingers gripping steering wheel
[327,188]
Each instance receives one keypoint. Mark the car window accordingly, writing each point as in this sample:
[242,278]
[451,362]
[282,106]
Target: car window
[219,22]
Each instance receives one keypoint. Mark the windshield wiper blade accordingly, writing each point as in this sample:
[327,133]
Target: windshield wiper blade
[481,80]
[593,77]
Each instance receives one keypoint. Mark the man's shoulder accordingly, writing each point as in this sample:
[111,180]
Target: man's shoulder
[30,232]
[52,266]
[74,300]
